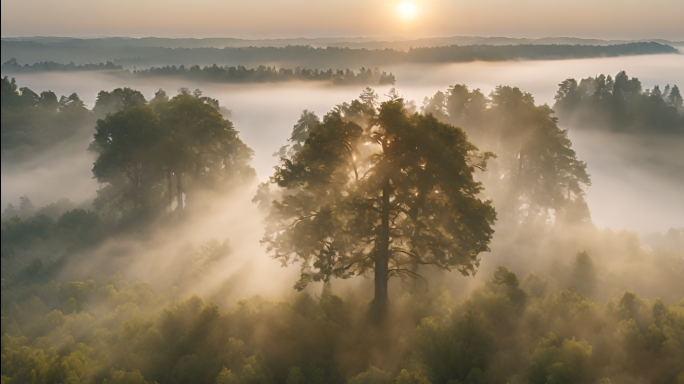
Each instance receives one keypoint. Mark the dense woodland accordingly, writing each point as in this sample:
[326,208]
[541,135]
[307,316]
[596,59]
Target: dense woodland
[406,198]
[308,56]
[620,104]
[32,122]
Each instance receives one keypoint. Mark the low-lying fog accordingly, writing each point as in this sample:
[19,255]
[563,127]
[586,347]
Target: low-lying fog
[637,184]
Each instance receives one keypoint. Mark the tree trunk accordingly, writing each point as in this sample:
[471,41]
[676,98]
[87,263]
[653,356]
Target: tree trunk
[133,177]
[169,190]
[382,257]
[179,191]
[327,289]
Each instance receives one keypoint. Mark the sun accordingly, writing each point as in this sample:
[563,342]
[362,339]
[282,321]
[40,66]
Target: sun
[407,10]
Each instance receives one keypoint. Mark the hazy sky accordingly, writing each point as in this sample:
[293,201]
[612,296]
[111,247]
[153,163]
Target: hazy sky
[312,18]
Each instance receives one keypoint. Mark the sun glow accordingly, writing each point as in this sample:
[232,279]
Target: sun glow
[407,10]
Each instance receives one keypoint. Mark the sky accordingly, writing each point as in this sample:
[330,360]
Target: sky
[609,19]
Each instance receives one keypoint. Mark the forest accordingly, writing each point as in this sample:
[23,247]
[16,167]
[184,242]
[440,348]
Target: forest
[620,104]
[215,73]
[32,122]
[310,56]
[386,207]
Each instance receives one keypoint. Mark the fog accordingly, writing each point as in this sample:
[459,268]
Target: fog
[635,180]
[264,114]
[193,283]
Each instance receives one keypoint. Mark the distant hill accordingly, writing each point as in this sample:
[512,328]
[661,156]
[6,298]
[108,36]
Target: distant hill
[131,53]
[321,42]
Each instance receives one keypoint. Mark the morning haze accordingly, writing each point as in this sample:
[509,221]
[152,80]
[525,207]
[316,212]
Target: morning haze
[442,193]
[627,19]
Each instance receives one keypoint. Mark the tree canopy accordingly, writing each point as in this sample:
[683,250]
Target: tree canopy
[116,100]
[33,122]
[11,66]
[620,105]
[536,175]
[150,155]
[108,330]
[262,73]
[379,189]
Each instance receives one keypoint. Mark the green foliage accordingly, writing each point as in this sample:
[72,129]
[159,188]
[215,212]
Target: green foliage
[122,377]
[583,276]
[151,155]
[32,123]
[78,219]
[11,66]
[379,190]
[113,330]
[507,280]
[116,100]
[536,176]
[213,73]
[620,105]
[363,178]
[146,52]
[25,209]
[226,377]
[372,375]
[558,338]
[560,362]
[240,74]
[296,376]
[35,246]
[126,161]
[411,378]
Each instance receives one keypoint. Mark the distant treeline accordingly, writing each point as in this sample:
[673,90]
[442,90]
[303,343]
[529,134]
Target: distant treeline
[304,55]
[216,73]
[456,53]
[11,66]
[240,74]
[619,104]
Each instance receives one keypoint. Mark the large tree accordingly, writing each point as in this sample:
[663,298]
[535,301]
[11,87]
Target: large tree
[151,154]
[200,147]
[126,142]
[536,175]
[379,190]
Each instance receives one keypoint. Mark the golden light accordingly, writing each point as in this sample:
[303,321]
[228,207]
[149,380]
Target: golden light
[407,10]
